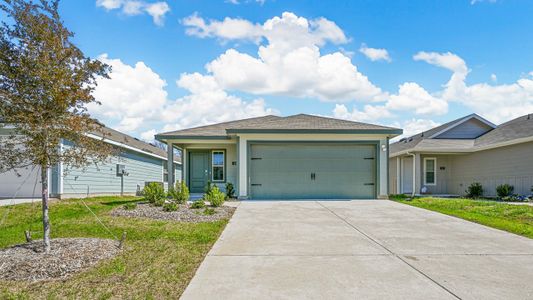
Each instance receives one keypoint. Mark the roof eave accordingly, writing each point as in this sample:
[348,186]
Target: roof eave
[163,138]
[391,131]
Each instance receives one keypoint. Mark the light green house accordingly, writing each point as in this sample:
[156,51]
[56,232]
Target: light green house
[136,163]
[294,157]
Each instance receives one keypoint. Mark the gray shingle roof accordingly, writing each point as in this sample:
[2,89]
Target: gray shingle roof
[123,138]
[275,123]
[521,127]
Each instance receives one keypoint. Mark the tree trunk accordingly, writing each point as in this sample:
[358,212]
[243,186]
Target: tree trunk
[46,220]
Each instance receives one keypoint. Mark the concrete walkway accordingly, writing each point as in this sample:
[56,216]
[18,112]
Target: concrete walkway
[374,249]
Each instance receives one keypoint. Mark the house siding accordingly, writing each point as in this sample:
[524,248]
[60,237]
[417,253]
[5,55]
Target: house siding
[443,169]
[101,179]
[231,161]
[510,164]
[470,129]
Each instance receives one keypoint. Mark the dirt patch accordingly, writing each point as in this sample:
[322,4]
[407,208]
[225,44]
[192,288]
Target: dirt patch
[183,214]
[67,257]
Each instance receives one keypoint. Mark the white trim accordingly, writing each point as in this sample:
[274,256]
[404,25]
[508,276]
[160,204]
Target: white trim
[434,159]
[465,119]
[213,166]
[467,150]
[126,146]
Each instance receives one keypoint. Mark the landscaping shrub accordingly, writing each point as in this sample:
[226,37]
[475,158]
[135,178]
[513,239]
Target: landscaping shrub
[209,188]
[504,190]
[130,206]
[198,204]
[215,197]
[180,193]
[170,206]
[475,190]
[230,191]
[159,202]
[209,211]
[154,192]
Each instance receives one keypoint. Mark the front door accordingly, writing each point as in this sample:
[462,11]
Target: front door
[199,171]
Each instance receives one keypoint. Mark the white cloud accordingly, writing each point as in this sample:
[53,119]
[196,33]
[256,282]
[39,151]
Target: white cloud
[498,103]
[134,94]
[207,103]
[290,63]
[493,77]
[148,136]
[135,97]
[261,2]
[472,2]
[156,10]
[413,126]
[368,114]
[375,54]
[412,97]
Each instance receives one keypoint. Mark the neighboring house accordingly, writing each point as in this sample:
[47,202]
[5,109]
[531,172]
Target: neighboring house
[450,157]
[139,161]
[295,157]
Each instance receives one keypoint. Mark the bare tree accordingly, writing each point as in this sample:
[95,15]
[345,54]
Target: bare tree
[46,83]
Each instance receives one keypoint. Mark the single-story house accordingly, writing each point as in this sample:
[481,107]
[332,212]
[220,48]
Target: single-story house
[294,157]
[445,160]
[136,163]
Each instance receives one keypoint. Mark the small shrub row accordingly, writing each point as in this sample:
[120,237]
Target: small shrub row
[503,191]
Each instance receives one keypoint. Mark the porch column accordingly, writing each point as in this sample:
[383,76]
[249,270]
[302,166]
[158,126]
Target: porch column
[243,168]
[170,164]
[417,170]
[398,175]
[184,164]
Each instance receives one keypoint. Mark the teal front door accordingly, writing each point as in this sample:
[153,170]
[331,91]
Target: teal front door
[198,171]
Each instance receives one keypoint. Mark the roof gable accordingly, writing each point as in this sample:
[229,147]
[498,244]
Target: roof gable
[469,127]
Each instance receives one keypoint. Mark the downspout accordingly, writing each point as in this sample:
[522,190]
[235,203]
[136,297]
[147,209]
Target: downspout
[414,171]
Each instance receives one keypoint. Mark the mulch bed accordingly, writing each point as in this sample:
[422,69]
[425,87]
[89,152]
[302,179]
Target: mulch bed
[67,257]
[183,214]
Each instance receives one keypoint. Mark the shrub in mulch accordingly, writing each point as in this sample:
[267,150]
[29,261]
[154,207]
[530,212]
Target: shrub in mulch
[68,256]
[184,213]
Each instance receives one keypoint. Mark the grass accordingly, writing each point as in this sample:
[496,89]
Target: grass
[159,259]
[517,219]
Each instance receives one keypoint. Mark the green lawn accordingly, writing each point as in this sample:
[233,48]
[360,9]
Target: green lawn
[513,218]
[159,259]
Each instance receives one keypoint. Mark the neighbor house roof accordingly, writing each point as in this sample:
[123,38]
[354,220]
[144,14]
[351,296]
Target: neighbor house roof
[122,138]
[301,123]
[513,131]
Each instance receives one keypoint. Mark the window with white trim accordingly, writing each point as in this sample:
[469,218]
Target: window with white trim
[430,171]
[218,165]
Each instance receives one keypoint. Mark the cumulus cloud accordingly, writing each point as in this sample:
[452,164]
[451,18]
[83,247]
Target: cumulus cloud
[208,103]
[375,54]
[368,114]
[149,135]
[498,103]
[288,60]
[413,126]
[133,95]
[412,97]
[156,10]
[135,98]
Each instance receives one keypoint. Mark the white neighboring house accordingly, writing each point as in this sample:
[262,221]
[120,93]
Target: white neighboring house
[446,159]
[136,164]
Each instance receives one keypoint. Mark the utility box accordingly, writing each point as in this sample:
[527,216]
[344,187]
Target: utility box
[121,170]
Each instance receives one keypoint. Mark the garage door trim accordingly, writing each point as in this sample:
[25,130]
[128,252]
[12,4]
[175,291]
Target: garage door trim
[374,143]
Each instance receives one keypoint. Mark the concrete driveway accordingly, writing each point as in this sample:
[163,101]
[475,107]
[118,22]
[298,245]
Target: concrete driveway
[361,250]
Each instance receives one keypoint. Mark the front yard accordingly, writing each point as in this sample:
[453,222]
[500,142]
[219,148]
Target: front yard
[517,219]
[158,261]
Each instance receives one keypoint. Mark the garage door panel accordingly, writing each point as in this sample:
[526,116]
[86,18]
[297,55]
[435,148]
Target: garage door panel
[283,171]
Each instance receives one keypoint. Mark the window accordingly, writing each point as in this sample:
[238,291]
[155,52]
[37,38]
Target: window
[165,171]
[430,174]
[217,165]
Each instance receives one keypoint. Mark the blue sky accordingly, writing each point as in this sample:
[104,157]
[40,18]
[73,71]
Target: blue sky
[411,64]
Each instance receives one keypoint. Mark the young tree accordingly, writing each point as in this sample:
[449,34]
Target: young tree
[46,83]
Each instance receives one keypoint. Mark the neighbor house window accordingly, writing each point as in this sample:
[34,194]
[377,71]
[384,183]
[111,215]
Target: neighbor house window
[165,171]
[430,174]
[217,165]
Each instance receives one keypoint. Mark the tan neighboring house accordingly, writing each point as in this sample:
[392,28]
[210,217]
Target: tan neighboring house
[294,157]
[445,160]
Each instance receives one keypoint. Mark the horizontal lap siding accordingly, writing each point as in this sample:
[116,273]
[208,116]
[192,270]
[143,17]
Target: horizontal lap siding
[511,164]
[102,178]
[443,162]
